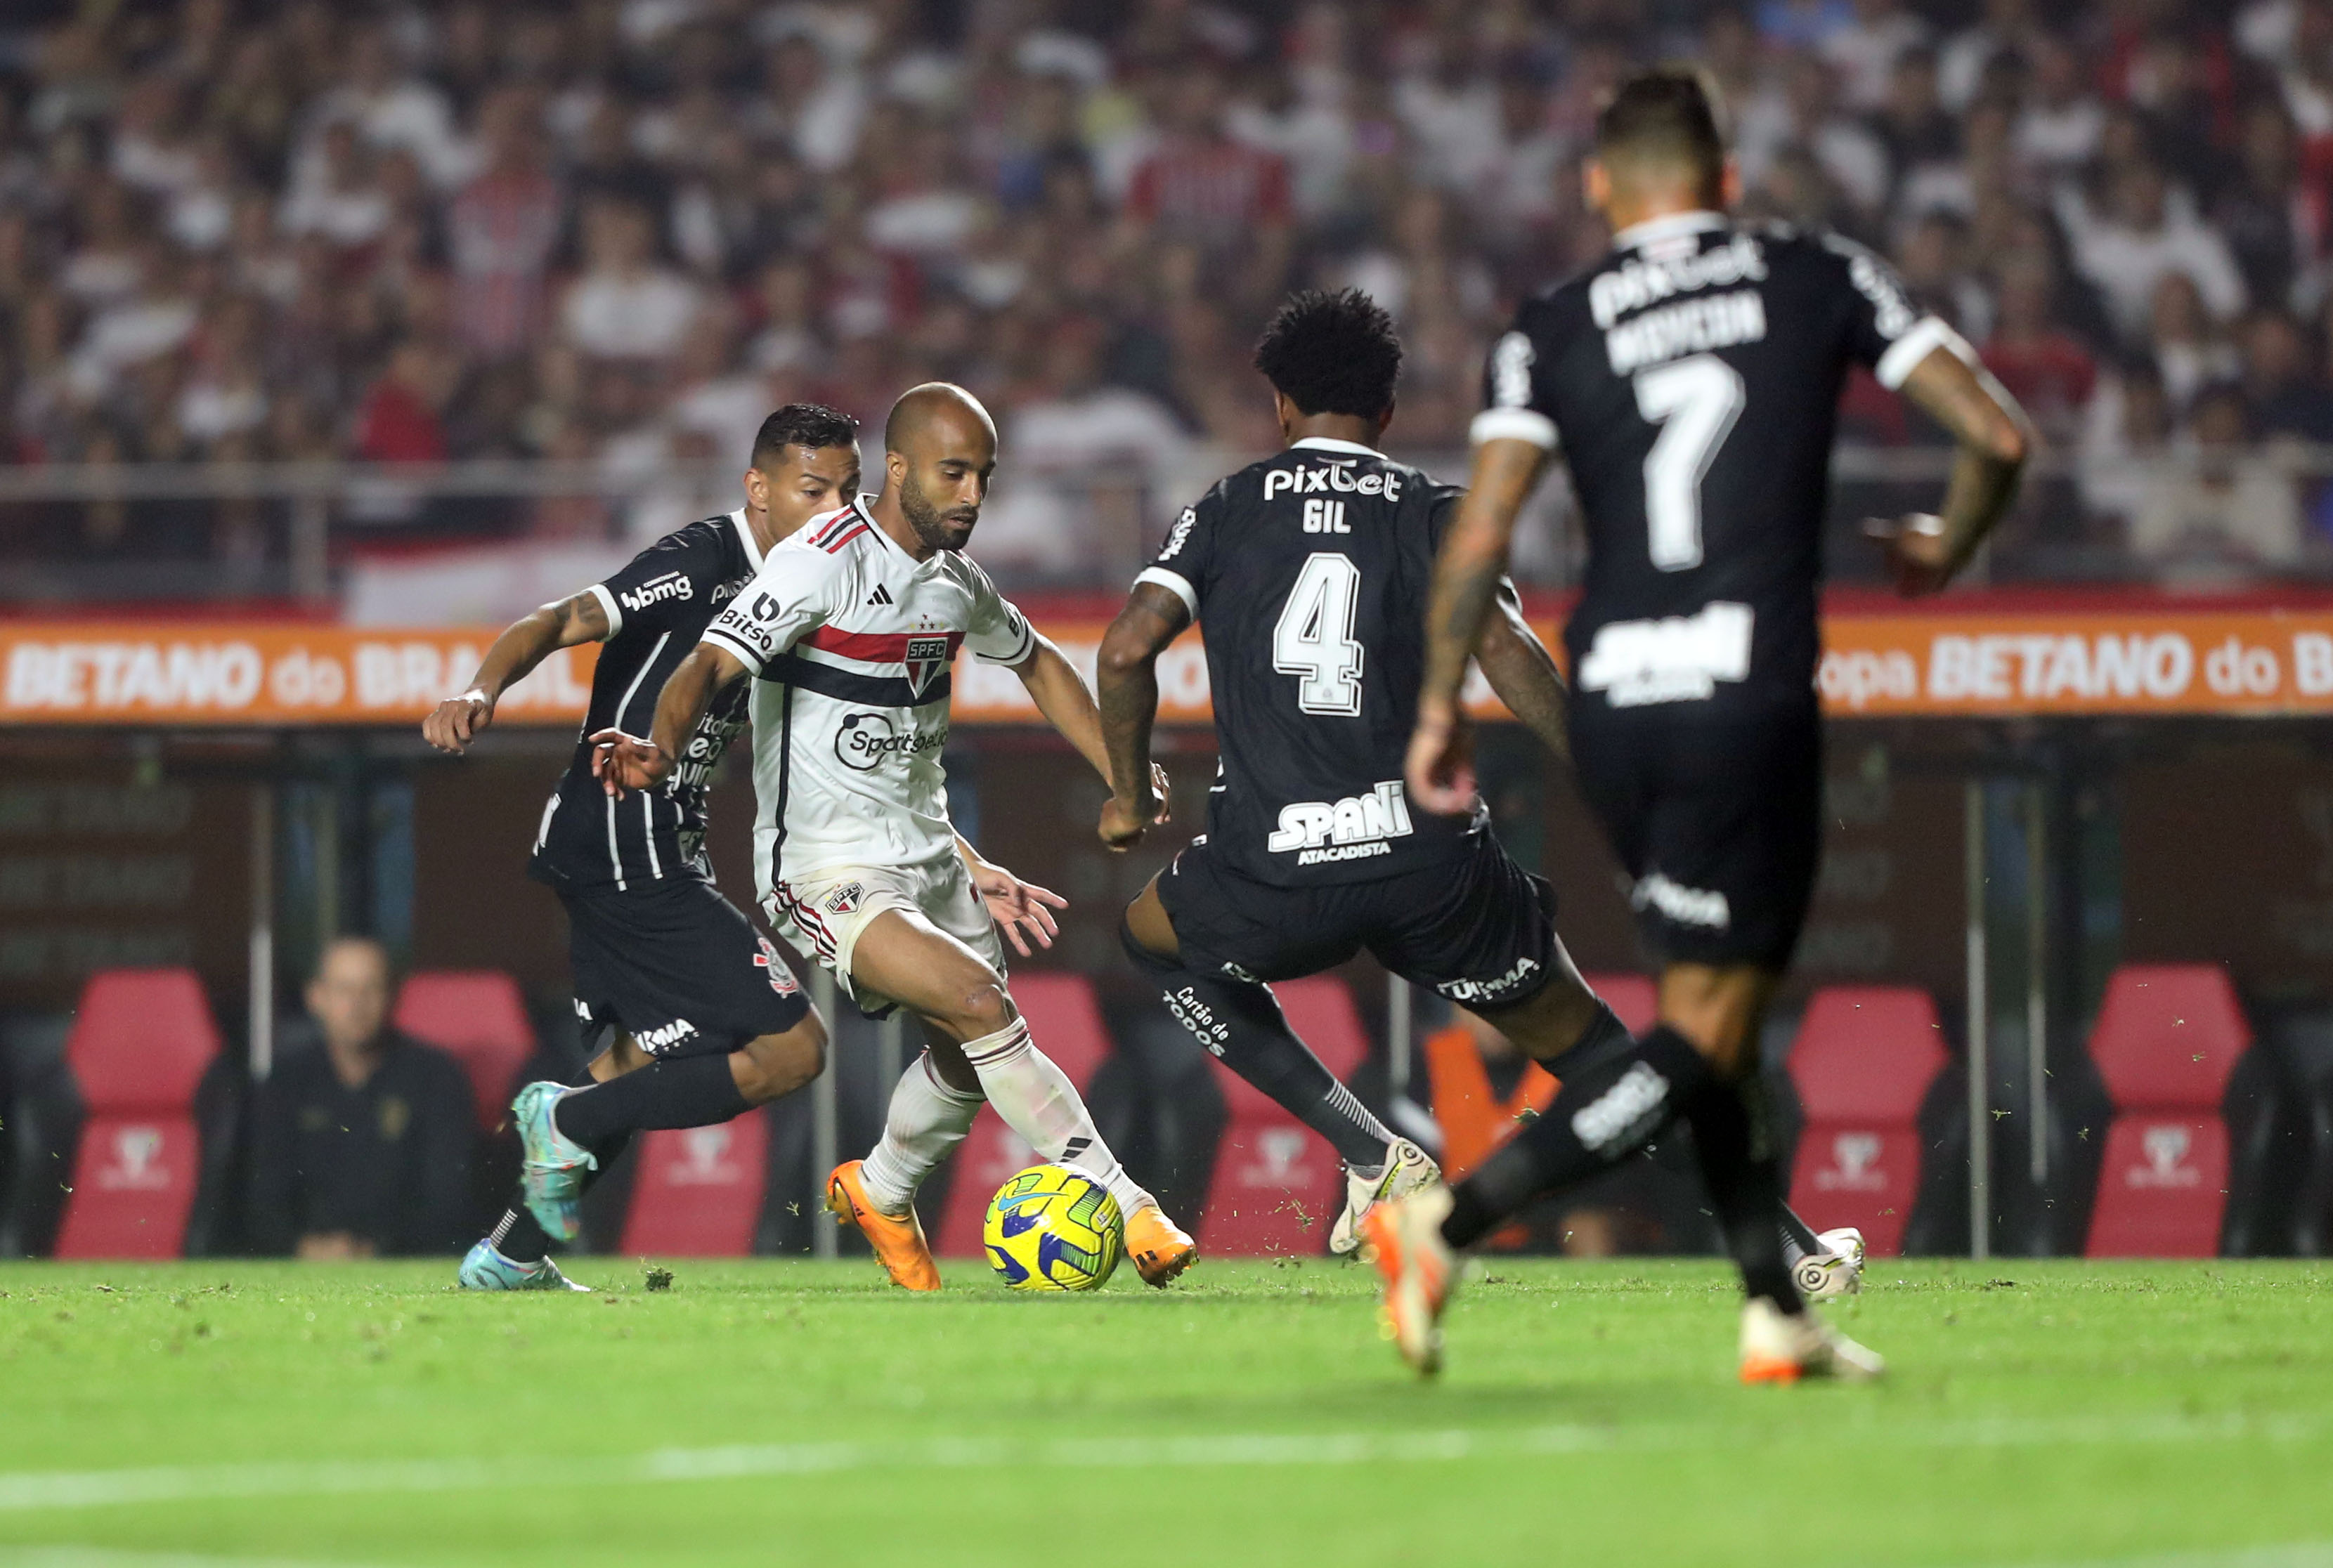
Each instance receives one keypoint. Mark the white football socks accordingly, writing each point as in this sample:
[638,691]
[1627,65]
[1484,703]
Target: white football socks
[927,1120]
[1038,1101]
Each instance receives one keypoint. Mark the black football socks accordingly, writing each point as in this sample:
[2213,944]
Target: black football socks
[1731,1141]
[694,1091]
[1240,1025]
[1599,1117]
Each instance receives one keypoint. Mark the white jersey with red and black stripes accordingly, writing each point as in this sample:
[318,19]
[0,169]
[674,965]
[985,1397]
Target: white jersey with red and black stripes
[851,640]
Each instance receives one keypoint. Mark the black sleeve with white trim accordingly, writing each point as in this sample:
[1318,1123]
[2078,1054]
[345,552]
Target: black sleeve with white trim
[1181,566]
[671,582]
[1517,401]
[1885,332]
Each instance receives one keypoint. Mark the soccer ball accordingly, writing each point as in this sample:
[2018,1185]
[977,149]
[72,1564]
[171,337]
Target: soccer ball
[1053,1229]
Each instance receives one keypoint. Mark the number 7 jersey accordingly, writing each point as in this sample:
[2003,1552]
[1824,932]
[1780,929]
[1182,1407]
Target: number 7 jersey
[1692,379]
[1308,574]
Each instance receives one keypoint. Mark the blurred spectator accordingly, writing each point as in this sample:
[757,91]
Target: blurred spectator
[500,231]
[2286,396]
[362,1138]
[2189,352]
[2219,516]
[275,228]
[2150,234]
[626,305]
[2045,367]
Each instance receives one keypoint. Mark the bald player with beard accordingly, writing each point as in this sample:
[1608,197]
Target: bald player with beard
[850,631]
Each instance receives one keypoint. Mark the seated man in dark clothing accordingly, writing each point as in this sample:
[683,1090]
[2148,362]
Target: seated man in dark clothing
[361,1142]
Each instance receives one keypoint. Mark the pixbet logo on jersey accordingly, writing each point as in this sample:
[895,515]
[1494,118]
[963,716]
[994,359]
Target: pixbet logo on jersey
[1336,474]
[1353,828]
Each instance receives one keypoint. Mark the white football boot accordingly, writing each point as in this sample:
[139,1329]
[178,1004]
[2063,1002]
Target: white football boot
[1781,1348]
[1835,1272]
[1407,1169]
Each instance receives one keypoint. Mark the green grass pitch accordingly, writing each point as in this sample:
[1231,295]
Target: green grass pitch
[761,1412]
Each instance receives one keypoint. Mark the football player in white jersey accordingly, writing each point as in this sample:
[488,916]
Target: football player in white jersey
[850,629]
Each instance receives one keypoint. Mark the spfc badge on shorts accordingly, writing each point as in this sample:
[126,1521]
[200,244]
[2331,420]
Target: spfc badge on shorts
[843,900]
[926,657]
[782,977]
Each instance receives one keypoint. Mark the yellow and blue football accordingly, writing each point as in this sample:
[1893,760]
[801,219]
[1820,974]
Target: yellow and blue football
[1053,1229]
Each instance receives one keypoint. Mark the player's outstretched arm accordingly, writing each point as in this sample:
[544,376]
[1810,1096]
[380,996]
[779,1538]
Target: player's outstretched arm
[1126,677]
[1061,697]
[1466,575]
[1994,438]
[526,643]
[1522,672]
[624,762]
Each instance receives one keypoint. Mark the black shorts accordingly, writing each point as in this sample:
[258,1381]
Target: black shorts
[1719,824]
[1479,929]
[676,965]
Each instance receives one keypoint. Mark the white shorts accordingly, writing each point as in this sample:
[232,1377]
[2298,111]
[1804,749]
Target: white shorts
[822,914]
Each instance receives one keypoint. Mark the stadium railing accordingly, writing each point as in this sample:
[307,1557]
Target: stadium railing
[472,540]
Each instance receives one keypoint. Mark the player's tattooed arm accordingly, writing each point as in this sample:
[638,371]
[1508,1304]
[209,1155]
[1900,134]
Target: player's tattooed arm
[526,643]
[624,762]
[1466,575]
[1994,437]
[1126,677]
[1522,672]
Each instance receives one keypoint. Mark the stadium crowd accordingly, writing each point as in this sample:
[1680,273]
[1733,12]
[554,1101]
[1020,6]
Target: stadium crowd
[619,231]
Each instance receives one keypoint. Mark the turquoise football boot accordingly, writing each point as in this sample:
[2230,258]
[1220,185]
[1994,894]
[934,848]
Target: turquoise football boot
[485,1269]
[552,1176]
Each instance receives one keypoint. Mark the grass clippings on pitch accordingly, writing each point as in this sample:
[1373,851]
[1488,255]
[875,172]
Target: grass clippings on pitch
[795,1412]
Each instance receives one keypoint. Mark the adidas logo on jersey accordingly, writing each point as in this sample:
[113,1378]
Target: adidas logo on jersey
[1353,828]
[881,596]
[664,1036]
[656,590]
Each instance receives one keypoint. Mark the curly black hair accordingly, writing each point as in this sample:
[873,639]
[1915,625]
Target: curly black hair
[809,426]
[1332,353]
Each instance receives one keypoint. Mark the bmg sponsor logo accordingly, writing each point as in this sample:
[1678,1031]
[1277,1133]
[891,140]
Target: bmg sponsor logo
[672,585]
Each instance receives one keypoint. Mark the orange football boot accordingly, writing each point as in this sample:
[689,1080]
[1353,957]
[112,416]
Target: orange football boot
[1404,1239]
[900,1245]
[1158,1246]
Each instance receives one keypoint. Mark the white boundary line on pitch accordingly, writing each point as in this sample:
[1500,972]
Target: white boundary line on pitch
[24,1491]
[2292,1554]
[109,1557]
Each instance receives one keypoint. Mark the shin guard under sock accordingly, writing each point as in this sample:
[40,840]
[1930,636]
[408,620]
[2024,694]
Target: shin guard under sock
[1037,1100]
[925,1121]
[1599,1117]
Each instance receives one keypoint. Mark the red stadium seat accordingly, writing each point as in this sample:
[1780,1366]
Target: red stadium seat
[1633,997]
[478,1015]
[1066,1022]
[1863,1061]
[697,1191]
[1277,1187]
[2167,1039]
[140,1040]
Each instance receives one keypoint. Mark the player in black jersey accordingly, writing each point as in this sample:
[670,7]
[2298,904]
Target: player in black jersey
[1308,572]
[1691,378]
[703,1016]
